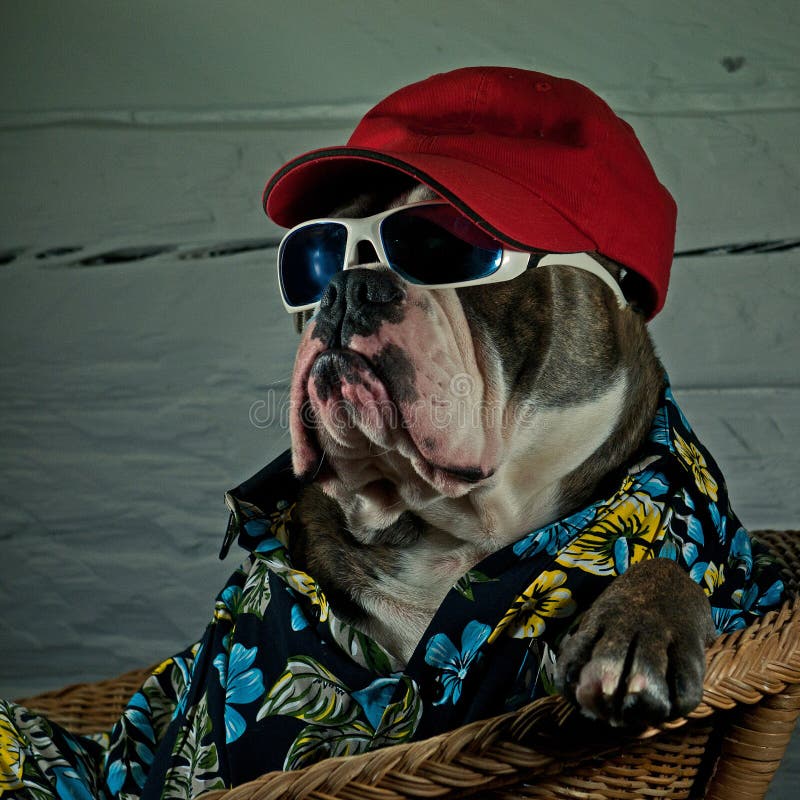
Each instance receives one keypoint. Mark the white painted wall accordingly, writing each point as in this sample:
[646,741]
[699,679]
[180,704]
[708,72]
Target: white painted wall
[125,390]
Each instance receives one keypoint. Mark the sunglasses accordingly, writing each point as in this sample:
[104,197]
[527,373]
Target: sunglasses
[429,244]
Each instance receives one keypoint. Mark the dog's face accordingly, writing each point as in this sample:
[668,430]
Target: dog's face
[483,410]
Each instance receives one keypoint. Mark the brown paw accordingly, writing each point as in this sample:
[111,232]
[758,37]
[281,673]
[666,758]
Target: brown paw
[638,655]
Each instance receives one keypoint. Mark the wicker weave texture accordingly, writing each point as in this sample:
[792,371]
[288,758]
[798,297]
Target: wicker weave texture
[728,748]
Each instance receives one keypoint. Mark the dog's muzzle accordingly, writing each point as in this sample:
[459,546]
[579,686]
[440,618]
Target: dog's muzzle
[386,387]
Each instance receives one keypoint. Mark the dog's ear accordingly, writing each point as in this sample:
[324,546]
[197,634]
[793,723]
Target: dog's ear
[637,291]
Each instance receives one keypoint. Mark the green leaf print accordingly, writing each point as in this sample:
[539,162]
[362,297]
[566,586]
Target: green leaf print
[363,650]
[316,743]
[38,791]
[307,691]
[195,762]
[164,688]
[398,724]
[400,719]
[465,582]
[374,657]
[256,594]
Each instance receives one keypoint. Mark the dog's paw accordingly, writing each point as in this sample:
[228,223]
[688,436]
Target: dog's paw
[638,656]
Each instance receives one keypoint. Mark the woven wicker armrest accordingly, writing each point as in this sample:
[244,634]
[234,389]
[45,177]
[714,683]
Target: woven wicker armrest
[728,748]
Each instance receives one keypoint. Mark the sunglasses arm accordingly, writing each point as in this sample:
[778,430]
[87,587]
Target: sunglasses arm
[588,264]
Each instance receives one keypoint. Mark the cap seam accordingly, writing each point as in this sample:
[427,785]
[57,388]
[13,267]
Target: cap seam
[476,99]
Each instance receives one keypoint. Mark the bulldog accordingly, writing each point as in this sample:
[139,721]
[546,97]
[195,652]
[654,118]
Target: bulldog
[437,426]
[491,494]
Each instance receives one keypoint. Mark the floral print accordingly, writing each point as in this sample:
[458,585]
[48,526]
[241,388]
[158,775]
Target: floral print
[39,760]
[622,533]
[545,597]
[340,722]
[694,461]
[454,664]
[279,681]
[12,754]
[242,684]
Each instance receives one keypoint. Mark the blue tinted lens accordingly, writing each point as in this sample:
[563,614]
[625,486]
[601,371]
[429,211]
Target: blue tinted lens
[308,259]
[436,244]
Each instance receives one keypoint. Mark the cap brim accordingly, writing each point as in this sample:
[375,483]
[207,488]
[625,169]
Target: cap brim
[311,186]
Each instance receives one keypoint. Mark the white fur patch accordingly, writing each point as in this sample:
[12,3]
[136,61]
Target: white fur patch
[546,446]
[542,448]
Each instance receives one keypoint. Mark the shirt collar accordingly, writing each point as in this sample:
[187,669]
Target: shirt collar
[274,484]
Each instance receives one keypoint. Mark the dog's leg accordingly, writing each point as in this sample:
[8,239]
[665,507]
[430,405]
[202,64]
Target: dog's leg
[638,655]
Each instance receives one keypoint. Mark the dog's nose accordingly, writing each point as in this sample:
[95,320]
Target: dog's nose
[360,286]
[358,301]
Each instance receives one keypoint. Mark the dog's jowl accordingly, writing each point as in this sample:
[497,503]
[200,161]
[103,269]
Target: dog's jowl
[491,493]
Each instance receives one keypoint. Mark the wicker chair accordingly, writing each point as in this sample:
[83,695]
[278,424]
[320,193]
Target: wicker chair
[728,748]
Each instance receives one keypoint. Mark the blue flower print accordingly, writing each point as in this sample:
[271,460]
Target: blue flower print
[70,785]
[298,619]
[772,596]
[228,603]
[673,547]
[256,527]
[554,537]
[669,550]
[545,540]
[622,555]
[242,683]
[375,697]
[659,433]
[741,555]
[669,397]
[690,553]
[727,619]
[720,522]
[115,776]
[136,716]
[749,600]
[650,481]
[267,545]
[454,665]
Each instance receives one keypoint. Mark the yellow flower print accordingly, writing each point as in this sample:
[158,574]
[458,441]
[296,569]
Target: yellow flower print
[712,576]
[163,666]
[624,489]
[622,533]
[696,464]
[545,597]
[12,757]
[280,521]
[307,586]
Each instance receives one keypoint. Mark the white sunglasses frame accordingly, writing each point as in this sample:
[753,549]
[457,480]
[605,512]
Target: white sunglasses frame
[512,264]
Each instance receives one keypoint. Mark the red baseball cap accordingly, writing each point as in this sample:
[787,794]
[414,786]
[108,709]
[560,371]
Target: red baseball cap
[539,162]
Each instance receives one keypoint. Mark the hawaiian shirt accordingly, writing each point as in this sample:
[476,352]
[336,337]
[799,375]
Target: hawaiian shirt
[279,681]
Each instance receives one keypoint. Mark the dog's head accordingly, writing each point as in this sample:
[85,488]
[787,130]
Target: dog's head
[473,404]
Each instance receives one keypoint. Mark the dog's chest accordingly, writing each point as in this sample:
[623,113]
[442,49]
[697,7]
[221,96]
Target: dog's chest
[403,600]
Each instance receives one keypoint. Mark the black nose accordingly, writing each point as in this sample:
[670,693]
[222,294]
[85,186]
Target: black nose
[357,302]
